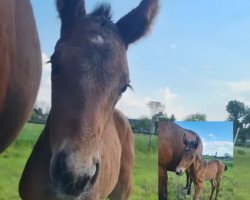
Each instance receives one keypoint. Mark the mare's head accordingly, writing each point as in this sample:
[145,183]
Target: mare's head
[190,153]
[89,75]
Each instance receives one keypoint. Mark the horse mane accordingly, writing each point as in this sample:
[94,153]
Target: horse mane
[103,9]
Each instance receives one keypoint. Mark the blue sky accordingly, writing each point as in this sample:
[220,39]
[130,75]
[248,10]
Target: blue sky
[216,136]
[195,59]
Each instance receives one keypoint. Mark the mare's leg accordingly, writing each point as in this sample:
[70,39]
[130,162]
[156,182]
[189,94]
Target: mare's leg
[35,181]
[123,187]
[189,187]
[197,187]
[162,183]
[187,180]
[212,188]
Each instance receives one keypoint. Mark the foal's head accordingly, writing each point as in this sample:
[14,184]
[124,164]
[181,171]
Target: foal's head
[89,75]
[189,155]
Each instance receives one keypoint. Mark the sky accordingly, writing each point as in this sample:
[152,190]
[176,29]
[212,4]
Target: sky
[216,136]
[195,59]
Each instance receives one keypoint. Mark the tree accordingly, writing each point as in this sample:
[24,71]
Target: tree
[237,110]
[143,124]
[196,117]
[157,114]
[246,118]
[155,107]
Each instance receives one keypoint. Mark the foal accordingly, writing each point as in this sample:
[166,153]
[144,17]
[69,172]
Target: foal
[201,170]
[86,151]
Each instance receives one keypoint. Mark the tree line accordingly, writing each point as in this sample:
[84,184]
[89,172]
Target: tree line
[238,113]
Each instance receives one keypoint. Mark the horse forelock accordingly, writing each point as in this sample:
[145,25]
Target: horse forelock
[104,10]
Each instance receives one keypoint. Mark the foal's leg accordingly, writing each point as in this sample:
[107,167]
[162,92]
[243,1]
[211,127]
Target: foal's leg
[162,183]
[218,186]
[197,187]
[212,188]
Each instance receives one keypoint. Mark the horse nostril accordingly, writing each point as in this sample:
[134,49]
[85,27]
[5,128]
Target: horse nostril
[178,172]
[93,179]
[64,180]
[59,168]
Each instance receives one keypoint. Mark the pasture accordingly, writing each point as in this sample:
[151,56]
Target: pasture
[12,162]
[241,173]
[176,185]
[145,181]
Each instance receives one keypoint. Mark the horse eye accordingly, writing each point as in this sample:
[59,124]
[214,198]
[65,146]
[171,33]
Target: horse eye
[124,89]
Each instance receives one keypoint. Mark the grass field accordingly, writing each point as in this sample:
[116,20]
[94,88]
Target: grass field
[146,169]
[176,185]
[145,181]
[13,160]
[241,174]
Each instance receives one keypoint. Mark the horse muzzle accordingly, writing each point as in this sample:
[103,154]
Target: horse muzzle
[66,181]
[179,171]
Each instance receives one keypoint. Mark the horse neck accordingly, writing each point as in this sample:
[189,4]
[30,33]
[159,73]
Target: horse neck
[197,165]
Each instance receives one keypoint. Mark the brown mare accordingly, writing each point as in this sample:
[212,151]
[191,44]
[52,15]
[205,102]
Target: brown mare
[170,152]
[86,150]
[201,170]
[20,67]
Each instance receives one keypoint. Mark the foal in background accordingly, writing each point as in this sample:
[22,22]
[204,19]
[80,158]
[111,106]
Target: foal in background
[200,170]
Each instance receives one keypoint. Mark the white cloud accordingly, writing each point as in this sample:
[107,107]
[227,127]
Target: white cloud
[239,87]
[212,136]
[238,90]
[44,93]
[173,103]
[169,96]
[132,105]
[221,147]
[223,92]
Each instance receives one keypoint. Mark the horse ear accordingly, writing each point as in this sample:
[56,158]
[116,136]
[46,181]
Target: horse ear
[137,22]
[185,140]
[69,11]
[197,142]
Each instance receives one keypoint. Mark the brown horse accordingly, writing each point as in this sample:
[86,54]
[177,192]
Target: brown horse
[20,67]
[170,152]
[201,170]
[86,150]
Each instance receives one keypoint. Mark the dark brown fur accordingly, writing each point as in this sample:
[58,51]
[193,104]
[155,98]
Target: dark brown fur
[20,67]
[170,151]
[86,151]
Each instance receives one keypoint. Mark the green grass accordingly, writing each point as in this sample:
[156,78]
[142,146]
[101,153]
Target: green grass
[145,181]
[145,185]
[241,173]
[176,185]
[13,160]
